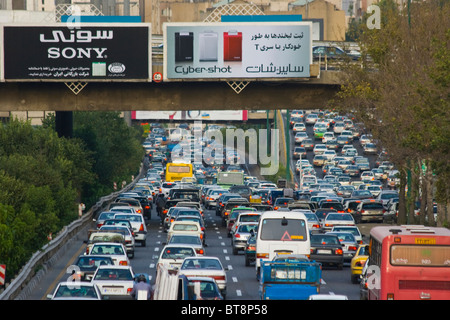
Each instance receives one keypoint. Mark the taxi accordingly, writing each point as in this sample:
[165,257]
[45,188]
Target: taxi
[358,261]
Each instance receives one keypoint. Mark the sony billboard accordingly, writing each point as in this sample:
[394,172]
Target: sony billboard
[243,50]
[87,52]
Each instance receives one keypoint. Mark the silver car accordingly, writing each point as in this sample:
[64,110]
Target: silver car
[241,234]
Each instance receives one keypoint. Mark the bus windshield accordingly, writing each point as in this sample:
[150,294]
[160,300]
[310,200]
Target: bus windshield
[420,256]
[284,230]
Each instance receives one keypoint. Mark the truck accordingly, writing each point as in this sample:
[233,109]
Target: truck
[289,280]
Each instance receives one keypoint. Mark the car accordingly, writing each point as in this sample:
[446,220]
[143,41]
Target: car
[332,52]
[375,190]
[299,126]
[319,160]
[299,152]
[371,210]
[189,239]
[300,136]
[241,234]
[116,251]
[206,266]
[337,219]
[345,191]
[191,227]
[205,288]
[308,144]
[348,242]
[125,232]
[319,132]
[367,176]
[362,194]
[339,127]
[386,195]
[314,225]
[364,282]
[357,263]
[105,215]
[319,148]
[212,196]
[370,148]
[352,170]
[75,291]
[114,282]
[311,118]
[88,264]
[352,229]
[327,136]
[172,256]
[327,249]
[138,224]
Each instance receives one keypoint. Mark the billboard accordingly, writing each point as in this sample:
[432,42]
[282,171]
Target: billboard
[192,115]
[230,50]
[88,52]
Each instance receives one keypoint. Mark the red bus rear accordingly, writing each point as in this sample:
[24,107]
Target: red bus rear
[409,263]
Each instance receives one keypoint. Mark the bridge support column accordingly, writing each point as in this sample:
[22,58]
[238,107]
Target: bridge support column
[64,123]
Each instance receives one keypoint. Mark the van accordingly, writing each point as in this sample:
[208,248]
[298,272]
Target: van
[281,233]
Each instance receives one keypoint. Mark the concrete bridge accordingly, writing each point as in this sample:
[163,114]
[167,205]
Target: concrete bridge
[307,93]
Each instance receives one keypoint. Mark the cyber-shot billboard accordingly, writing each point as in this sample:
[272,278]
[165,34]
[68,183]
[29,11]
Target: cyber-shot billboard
[247,50]
[87,52]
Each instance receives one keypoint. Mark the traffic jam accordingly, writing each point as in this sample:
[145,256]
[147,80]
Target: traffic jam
[183,210]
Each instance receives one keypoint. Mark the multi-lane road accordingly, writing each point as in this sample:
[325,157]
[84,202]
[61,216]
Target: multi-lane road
[242,283]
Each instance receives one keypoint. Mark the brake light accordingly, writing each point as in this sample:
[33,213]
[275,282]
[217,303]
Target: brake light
[139,211]
[201,236]
[390,296]
[129,290]
[200,251]
[123,263]
[338,251]
[316,225]
[87,250]
[141,228]
[352,248]
[262,255]
[219,278]
[99,225]
[237,235]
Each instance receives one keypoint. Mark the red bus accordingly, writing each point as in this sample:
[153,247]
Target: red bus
[409,262]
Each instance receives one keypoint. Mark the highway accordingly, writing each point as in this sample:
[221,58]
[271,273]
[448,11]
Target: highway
[242,283]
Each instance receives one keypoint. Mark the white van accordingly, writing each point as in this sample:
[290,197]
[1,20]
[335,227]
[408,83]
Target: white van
[282,232]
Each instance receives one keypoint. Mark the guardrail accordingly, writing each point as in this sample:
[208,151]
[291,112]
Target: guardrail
[28,277]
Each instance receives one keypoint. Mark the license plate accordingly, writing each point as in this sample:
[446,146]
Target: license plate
[324,251]
[112,290]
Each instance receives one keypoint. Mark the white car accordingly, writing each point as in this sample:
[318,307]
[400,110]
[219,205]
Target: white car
[114,281]
[311,118]
[337,219]
[367,176]
[172,255]
[138,224]
[298,127]
[327,136]
[300,136]
[76,291]
[116,251]
[206,266]
[319,148]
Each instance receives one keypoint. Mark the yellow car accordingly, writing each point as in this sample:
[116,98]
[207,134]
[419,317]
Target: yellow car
[358,261]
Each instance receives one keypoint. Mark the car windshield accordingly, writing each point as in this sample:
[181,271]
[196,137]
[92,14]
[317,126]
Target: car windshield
[65,291]
[107,249]
[185,227]
[114,274]
[88,261]
[212,264]
[333,216]
[346,237]
[246,228]
[185,239]
[177,253]
[130,217]
[324,239]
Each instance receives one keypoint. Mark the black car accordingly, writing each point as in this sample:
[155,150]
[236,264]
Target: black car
[332,52]
[327,249]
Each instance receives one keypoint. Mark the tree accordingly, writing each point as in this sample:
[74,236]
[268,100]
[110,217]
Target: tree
[403,97]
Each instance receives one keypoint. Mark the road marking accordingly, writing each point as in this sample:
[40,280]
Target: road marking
[222,244]
[156,249]
[151,266]
[225,251]
[239,293]
[227,258]
[230,267]
[234,279]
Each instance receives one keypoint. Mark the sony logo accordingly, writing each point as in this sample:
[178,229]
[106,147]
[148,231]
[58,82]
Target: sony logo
[76,53]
